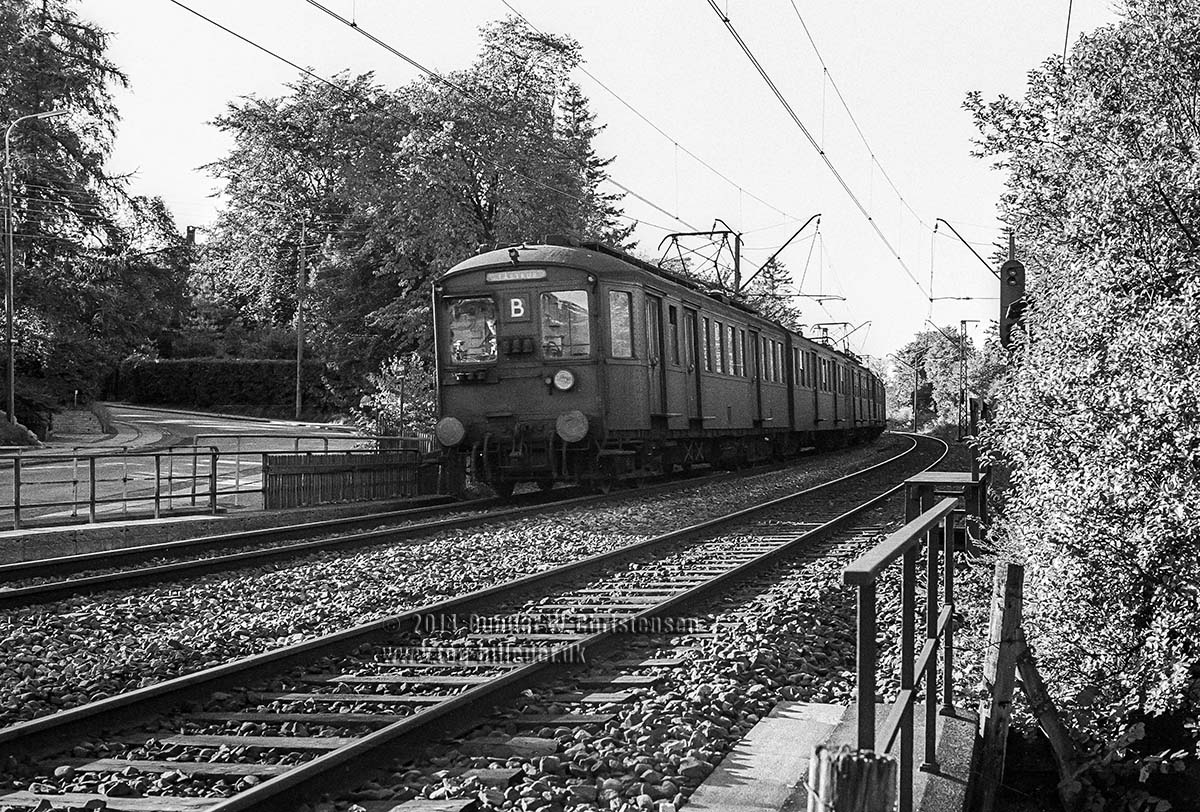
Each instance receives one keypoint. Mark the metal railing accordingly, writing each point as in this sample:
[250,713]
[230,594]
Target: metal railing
[934,529]
[125,479]
[122,481]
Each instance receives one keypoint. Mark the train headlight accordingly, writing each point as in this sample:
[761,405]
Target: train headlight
[449,431]
[564,380]
[572,426]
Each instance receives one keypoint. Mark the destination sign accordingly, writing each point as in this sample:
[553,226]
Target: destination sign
[522,275]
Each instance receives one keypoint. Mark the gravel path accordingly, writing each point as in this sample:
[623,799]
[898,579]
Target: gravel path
[65,654]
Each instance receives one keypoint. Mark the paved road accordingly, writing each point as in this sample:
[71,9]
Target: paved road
[159,451]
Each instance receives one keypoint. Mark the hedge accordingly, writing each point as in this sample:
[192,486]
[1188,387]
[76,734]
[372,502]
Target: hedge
[213,381]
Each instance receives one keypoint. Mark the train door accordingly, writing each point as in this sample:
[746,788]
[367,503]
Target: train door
[691,357]
[755,359]
[654,355]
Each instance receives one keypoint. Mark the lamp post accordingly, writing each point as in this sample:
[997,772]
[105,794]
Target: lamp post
[9,228]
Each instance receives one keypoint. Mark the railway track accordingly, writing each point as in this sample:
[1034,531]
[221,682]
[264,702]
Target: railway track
[270,730]
[33,582]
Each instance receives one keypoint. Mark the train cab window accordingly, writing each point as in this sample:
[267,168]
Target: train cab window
[738,338]
[472,330]
[719,346]
[566,327]
[620,323]
[730,360]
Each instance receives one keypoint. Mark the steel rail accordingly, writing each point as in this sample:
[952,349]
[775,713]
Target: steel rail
[47,732]
[282,792]
[55,590]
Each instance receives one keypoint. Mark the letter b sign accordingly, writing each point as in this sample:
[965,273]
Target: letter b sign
[518,308]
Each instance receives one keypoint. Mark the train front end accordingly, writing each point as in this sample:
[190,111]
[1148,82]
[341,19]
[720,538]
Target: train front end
[518,386]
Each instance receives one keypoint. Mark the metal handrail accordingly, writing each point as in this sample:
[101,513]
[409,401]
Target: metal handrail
[935,529]
[164,481]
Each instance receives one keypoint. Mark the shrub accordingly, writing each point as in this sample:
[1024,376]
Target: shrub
[210,381]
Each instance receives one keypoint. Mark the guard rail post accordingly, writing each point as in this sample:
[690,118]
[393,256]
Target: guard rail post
[195,470]
[157,484]
[17,492]
[92,489]
[124,484]
[237,471]
[170,479]
[74,486]
[212,481]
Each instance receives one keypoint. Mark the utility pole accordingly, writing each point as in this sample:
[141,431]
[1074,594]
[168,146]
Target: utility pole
[301,283]
[962,376]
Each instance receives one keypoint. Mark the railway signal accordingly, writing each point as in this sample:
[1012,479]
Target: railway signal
[1012,294]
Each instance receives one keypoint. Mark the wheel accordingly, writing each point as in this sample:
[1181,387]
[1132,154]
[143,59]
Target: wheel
[545,484]
[504,488]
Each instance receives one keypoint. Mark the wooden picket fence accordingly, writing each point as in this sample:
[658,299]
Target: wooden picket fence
[304,479]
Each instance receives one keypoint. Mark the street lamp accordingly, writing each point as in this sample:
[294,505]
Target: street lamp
[9,228]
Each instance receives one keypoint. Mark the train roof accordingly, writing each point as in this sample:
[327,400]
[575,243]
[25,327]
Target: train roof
[599,258]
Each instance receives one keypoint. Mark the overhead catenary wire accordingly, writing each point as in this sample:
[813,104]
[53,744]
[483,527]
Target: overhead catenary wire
[854,121]
[472,97]
[359,97]
[815,145]
[678,146]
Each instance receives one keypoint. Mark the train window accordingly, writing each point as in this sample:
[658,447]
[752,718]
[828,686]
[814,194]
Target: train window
[673,334]
[566,327]
[706,350]
[765,359]
[780,371]
[719,345]
[739,361]
[797,367]
[472,330]
[620,323]
[730,335]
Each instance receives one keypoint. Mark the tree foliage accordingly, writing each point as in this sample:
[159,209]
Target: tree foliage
[91,281]
[933,362]
[396,185]
[1100,422]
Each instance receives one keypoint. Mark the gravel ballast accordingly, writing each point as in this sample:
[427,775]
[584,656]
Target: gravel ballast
[787,635]
[61,655]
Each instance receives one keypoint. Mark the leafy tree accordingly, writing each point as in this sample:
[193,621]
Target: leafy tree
[1099,422]
[769,294]
[91,283]
[400,398]
[399,185]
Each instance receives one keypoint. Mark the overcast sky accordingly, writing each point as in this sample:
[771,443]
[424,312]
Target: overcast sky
[904,69]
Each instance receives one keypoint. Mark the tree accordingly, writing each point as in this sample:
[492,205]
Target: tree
[935,359]
[89,287]
[1098,423]
[399,185]
[768,293]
